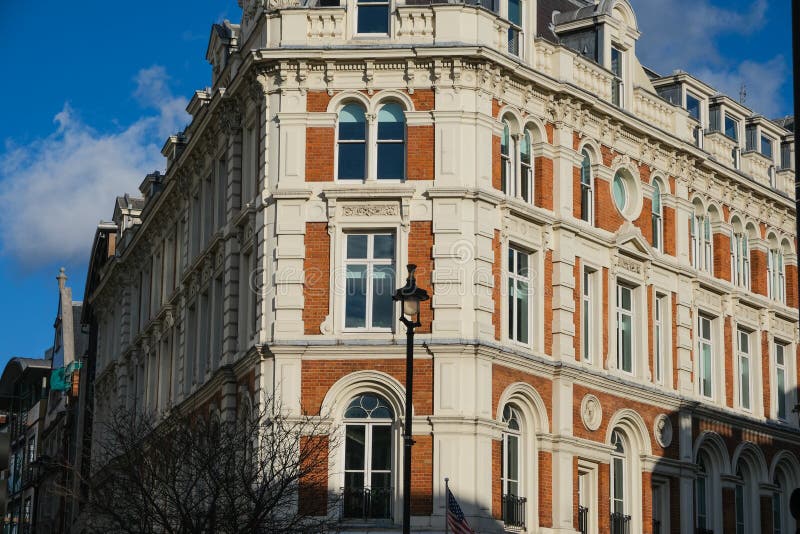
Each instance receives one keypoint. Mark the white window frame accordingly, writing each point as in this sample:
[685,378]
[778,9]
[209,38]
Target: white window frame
[740,259]
[526,171]
[370,261]
[623,459]
[703,475]
[701,372]
[778,368]
[511,276]
[587,189]
[658,218]
[660,336]
[389,10]
[589,317]
[515,433]
[621,286]
[588,492]
[744,357]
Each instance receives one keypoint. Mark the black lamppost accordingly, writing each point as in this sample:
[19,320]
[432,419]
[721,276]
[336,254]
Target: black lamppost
[409,296]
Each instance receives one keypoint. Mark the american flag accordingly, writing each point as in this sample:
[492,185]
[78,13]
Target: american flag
[455,517]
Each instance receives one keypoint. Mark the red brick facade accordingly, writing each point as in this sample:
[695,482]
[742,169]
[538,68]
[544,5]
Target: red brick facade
[316,268]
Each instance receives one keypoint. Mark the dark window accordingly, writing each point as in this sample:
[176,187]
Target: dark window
[693,105]
[785,155]
[732,128]
[766,146]
[373,16]
[352,142]
[391,142]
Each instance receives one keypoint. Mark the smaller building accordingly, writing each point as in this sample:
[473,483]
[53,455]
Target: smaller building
[40,400]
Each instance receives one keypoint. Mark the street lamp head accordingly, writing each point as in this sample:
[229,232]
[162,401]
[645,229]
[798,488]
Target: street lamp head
[410,295]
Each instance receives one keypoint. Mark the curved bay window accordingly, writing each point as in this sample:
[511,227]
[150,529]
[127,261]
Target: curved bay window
[620,521]
[367,491]
[587,189]
[352,150]
[513,503]
[391,142]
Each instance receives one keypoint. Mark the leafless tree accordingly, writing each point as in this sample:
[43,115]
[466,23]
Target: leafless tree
[190,473]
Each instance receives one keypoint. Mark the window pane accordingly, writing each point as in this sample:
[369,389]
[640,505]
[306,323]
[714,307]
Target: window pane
[616,62]
[781,397]
[373,19]
[356,299]
[384,246]
[693,106]
[779,354]
[766,146]
[382,289]
[381,481]
[619,486]
[512,458]
[391,122]
[731,128]
[706,369]
[619,193]
[391,161]
[522,264]
[356,246]
[625,298]
[525,148]
[522,312]
[515,12]
[656,200]
[744,364]
[505,139]
[627,342]
[354,447]
[382,447]
[352,161]
[352,123]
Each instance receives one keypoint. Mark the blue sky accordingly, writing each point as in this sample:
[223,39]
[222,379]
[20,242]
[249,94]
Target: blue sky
[91,89]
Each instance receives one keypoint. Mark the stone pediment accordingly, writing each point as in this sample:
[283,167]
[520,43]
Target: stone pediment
[631,242]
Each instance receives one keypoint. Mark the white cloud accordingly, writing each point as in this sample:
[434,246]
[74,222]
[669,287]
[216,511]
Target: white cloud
[55,190]
[685,34]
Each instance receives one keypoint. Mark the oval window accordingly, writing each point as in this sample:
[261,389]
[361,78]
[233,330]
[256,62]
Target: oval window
[619,192]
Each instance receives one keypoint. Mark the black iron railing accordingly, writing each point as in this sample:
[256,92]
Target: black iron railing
[583,519]
[656,526]
[514,510]
[620,523]
[699,530]
[366,503]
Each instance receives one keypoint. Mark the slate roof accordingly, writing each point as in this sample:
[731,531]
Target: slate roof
[546,8]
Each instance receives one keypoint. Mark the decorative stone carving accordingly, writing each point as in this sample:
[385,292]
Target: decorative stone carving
[630,265]
[662,430]
[230,116]
[591,412]
[369,210]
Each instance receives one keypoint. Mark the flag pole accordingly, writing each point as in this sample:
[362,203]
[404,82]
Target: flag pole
[446,501]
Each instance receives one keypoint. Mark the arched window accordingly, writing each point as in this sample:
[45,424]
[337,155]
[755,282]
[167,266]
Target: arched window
[776,276]
[708,259]
[526,189]
[657,217]
[701,496]
[368,458]
[619,490]
[508,180]
[391,142]
[740,258]
[513,502]
[352,153]
[587,189]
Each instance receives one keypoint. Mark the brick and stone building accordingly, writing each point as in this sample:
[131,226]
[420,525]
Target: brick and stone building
[612,337]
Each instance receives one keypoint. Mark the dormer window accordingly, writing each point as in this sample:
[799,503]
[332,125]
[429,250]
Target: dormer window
[373,16]
[731,127]
[766,146]
[616,69]
[693,106]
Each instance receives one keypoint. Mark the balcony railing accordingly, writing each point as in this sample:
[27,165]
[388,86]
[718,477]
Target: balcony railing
[656,526]
[620,523]
[699,530]
[583,519]
[514,40]
[514,511]
[366,503]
